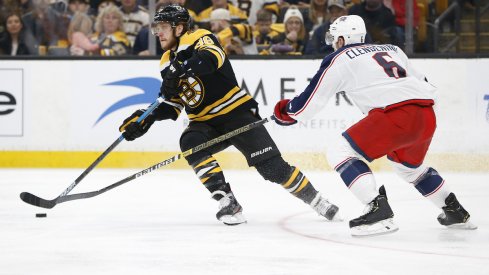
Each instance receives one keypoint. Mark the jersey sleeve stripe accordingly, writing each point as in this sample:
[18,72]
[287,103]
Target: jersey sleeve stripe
[309,93]
[221,57]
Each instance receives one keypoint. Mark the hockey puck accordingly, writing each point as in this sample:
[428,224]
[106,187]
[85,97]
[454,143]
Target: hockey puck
[41,215]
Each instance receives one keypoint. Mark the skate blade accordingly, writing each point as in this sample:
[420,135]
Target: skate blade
[235,219]
[379,228]
[463,226]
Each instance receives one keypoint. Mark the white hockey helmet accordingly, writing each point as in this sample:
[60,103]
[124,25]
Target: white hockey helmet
[350,27]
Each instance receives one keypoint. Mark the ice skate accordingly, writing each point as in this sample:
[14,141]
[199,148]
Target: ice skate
[454,215]
[230,211]
[326,209]
[377,220]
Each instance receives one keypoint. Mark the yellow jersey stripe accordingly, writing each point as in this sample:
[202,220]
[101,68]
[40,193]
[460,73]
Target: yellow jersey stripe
[177,110]
[291,179]
[203,180]
[221,56]
[220,101]
[217,55]
[190,38]
[273,7]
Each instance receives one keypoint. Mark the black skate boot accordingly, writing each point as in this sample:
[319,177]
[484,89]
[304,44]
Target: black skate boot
[454,215]
[378,218]
[230,211]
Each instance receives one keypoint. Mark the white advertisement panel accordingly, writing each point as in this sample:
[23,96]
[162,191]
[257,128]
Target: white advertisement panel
[79,105]
[11,102]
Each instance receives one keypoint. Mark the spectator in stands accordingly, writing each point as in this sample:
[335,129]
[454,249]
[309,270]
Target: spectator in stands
[398,8]
[79,32]
[135,17]
[318,11]
[299,3]
[43,23]
[110,34]
[78,6]
[19,6]
[252,7]
[295,37]
[317,44]
[379,21]
[265,31]
[161,3]
[9,6]
[198,5]
[237,15]
[234,38]
[15,40]
[103,4]
[305,15]
[3,14]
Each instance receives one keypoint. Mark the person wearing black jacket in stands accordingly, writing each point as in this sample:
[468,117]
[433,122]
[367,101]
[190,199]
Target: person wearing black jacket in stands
[15,41]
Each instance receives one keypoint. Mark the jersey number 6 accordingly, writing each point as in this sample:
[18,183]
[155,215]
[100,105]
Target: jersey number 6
[391,68]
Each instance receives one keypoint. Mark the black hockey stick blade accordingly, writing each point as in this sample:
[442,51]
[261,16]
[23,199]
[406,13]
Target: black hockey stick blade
[36,201]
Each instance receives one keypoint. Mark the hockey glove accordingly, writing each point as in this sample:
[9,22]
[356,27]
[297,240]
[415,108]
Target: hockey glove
[171,81]
[132,129]
[280,115]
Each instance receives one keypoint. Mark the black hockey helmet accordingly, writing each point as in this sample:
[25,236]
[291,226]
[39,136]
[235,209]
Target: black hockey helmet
[173,14]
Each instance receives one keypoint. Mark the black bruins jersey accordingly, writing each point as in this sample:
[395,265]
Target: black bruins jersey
[213,94]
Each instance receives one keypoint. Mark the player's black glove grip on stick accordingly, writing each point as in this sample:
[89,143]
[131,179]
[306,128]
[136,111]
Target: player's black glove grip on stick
[132,129]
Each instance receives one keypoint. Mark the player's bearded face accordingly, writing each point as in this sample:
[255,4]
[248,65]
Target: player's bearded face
[165,35]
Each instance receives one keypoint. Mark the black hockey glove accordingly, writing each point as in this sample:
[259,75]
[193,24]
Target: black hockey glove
[132,129]
[170,86]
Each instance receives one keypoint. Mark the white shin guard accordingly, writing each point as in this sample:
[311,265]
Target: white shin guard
[344,159]
[416,175]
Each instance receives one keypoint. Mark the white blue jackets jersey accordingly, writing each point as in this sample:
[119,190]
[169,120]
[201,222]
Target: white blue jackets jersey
[373,76]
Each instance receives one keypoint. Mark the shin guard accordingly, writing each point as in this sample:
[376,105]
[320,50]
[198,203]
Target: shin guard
[299,186]
[358,178]
[210,174]
[432,186]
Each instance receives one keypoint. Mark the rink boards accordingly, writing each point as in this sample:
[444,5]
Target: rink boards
[65,113]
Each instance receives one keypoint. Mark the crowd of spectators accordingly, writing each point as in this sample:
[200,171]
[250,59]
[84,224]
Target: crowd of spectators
[121,27]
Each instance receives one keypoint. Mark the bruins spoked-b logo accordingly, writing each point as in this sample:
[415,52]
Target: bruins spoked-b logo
[192,91]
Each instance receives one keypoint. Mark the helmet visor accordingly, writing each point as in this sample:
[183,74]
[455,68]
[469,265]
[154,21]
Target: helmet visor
[329,38]
[159,27]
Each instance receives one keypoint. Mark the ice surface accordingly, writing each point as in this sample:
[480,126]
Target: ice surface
[164,223]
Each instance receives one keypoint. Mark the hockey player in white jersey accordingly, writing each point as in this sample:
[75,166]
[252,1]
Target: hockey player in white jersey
[399,123]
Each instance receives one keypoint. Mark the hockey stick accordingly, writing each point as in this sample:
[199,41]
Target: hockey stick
[36,201]
[50,204]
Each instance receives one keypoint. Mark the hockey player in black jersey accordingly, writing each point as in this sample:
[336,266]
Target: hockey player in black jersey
[198,77]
